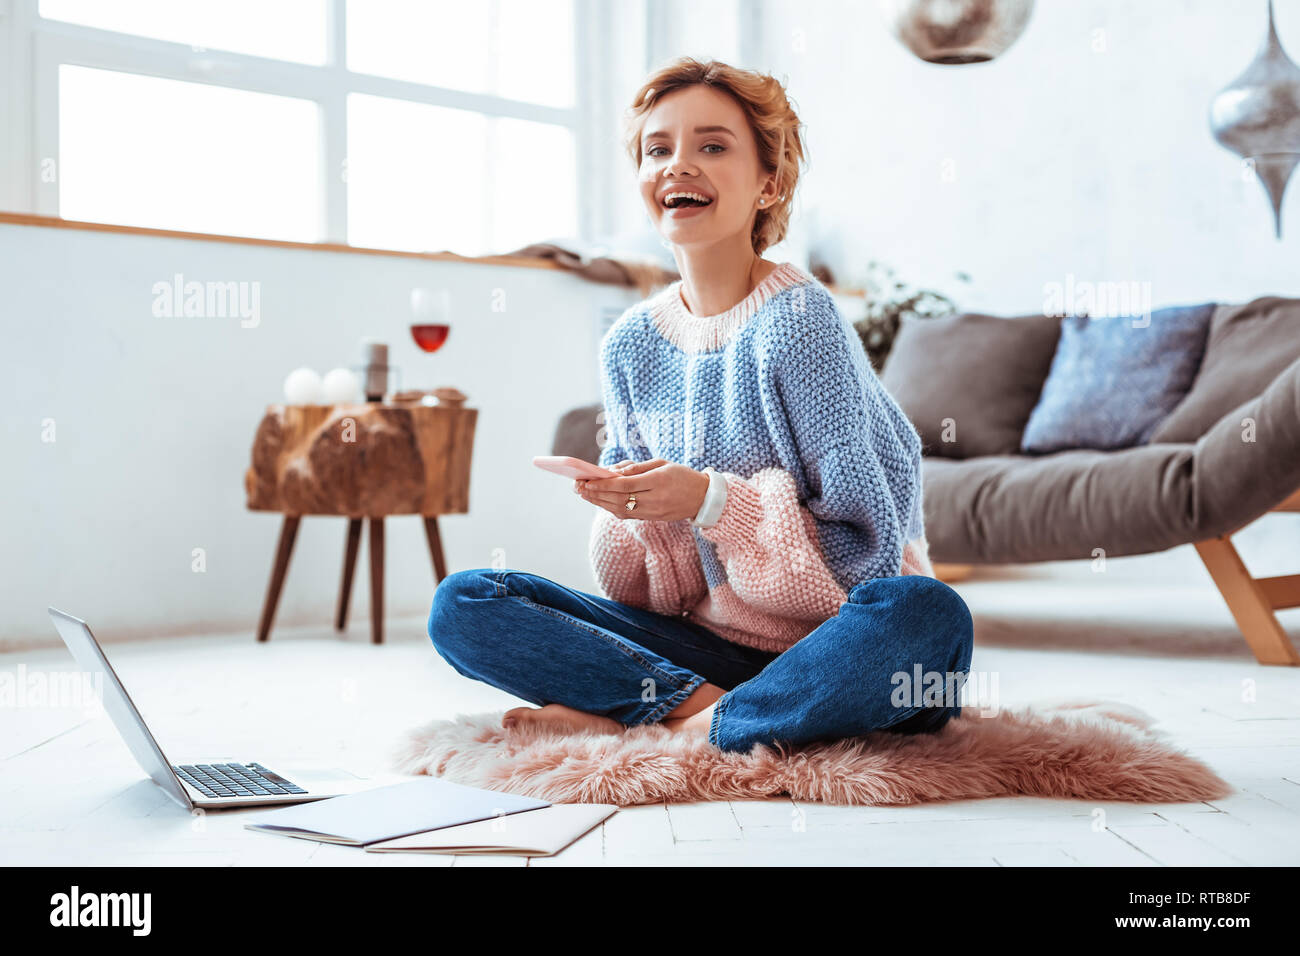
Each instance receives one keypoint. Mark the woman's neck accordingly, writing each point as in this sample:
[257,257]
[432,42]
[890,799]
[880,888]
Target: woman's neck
[714,280]
[706,333]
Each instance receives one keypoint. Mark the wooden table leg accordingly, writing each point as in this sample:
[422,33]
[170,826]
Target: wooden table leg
[288,532]
[376,580]
[349,567]
[435,548]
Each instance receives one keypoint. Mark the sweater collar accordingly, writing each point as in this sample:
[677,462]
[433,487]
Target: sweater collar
[700,333]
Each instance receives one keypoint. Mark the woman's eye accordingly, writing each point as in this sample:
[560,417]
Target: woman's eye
[652,150]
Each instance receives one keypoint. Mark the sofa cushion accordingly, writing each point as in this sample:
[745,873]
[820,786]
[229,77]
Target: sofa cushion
[1114,380]
[1249,346]
[968,382]
[1059,507]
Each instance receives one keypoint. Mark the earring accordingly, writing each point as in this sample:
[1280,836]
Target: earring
[761,201]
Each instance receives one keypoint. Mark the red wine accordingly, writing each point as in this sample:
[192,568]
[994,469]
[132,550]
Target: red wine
[430,337]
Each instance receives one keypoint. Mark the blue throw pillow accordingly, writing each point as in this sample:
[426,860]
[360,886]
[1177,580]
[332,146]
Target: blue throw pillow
[1112,383]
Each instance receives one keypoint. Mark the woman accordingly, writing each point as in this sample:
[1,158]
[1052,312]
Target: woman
[761,554]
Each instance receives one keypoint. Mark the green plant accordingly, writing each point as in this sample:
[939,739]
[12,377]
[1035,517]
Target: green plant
[888,300]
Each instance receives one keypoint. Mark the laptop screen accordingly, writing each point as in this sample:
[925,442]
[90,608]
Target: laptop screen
[90,657]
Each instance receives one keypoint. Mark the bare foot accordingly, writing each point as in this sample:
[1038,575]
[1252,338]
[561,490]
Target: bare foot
[697,723]
[560,717]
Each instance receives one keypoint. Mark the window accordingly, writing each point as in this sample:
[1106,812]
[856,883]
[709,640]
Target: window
[416,175]
[432,178]
[404,124]
[475,126]
[282,29]
[143,151]
[519,49]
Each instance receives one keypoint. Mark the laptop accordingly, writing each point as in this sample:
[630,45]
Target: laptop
[211,785]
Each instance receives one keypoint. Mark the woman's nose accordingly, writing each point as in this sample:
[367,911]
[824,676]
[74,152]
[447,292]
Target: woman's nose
[676,165]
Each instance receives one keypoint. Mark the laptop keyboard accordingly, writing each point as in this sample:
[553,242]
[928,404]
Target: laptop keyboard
[234,780]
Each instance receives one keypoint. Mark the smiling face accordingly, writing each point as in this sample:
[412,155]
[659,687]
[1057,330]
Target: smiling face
[697,141]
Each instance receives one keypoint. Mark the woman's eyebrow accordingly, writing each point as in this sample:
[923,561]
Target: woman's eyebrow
[698,129]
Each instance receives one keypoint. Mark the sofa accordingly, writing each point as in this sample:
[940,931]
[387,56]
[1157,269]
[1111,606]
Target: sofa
[1226,455]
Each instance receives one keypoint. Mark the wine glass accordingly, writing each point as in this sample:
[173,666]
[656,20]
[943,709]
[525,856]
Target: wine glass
[430,314]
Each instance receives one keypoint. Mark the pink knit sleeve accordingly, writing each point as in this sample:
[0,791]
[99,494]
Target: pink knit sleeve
[653,565]
[767,541]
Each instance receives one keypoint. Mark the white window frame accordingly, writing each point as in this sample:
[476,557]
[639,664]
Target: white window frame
[38,47]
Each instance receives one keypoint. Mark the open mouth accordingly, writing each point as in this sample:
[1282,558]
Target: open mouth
[685,200]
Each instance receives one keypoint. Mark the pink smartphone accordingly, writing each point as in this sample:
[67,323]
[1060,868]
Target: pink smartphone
[571,467]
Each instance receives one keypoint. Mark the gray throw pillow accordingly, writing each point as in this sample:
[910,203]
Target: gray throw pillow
[968,382]
[1114,380]
[1249,346]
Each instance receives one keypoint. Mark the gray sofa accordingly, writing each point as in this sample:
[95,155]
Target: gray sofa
[1227,455]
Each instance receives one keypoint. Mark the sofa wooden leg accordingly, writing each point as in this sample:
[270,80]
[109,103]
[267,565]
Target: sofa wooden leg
[1253,600]
[951,573]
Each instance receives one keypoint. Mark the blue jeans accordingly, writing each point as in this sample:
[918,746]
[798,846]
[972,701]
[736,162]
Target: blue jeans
[855,673]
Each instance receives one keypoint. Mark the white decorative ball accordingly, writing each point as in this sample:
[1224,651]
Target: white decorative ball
[340,387]
[302,387]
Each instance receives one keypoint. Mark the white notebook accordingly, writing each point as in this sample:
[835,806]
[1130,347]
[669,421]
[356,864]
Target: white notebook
[387,812]
[542,832]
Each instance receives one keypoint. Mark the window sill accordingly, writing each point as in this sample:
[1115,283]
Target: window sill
[53,222]
[525,262]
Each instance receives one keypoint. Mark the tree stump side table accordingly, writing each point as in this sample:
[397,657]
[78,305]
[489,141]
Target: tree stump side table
[368,461]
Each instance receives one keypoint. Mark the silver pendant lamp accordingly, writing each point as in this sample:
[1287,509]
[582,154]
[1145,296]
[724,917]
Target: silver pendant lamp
[1257,116]
[957,31]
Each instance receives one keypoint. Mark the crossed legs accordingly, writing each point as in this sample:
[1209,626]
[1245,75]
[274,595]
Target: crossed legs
[588,662]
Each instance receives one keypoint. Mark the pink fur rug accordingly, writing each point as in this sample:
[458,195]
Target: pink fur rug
[1072,749]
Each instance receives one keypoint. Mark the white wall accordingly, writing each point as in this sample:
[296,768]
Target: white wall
[154,422]
[1065,160]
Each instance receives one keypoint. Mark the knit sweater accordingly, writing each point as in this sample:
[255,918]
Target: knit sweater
[822,468]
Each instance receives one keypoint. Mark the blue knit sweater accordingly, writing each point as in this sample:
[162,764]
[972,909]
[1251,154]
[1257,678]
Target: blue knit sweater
[778,394]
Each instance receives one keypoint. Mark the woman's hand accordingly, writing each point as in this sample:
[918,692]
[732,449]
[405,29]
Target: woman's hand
[665,490]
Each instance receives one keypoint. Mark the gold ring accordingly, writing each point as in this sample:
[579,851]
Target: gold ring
[631,503]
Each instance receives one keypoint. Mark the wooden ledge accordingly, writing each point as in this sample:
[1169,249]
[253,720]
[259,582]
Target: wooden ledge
[54,222]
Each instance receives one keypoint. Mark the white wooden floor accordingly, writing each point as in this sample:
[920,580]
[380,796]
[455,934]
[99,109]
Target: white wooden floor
[71,794]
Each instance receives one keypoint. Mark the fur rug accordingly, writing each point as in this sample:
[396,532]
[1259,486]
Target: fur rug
[1072,749]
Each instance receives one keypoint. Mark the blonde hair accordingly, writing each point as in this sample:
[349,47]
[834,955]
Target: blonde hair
[772,119]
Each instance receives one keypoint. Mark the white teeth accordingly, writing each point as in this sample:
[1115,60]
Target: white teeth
[700,197]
